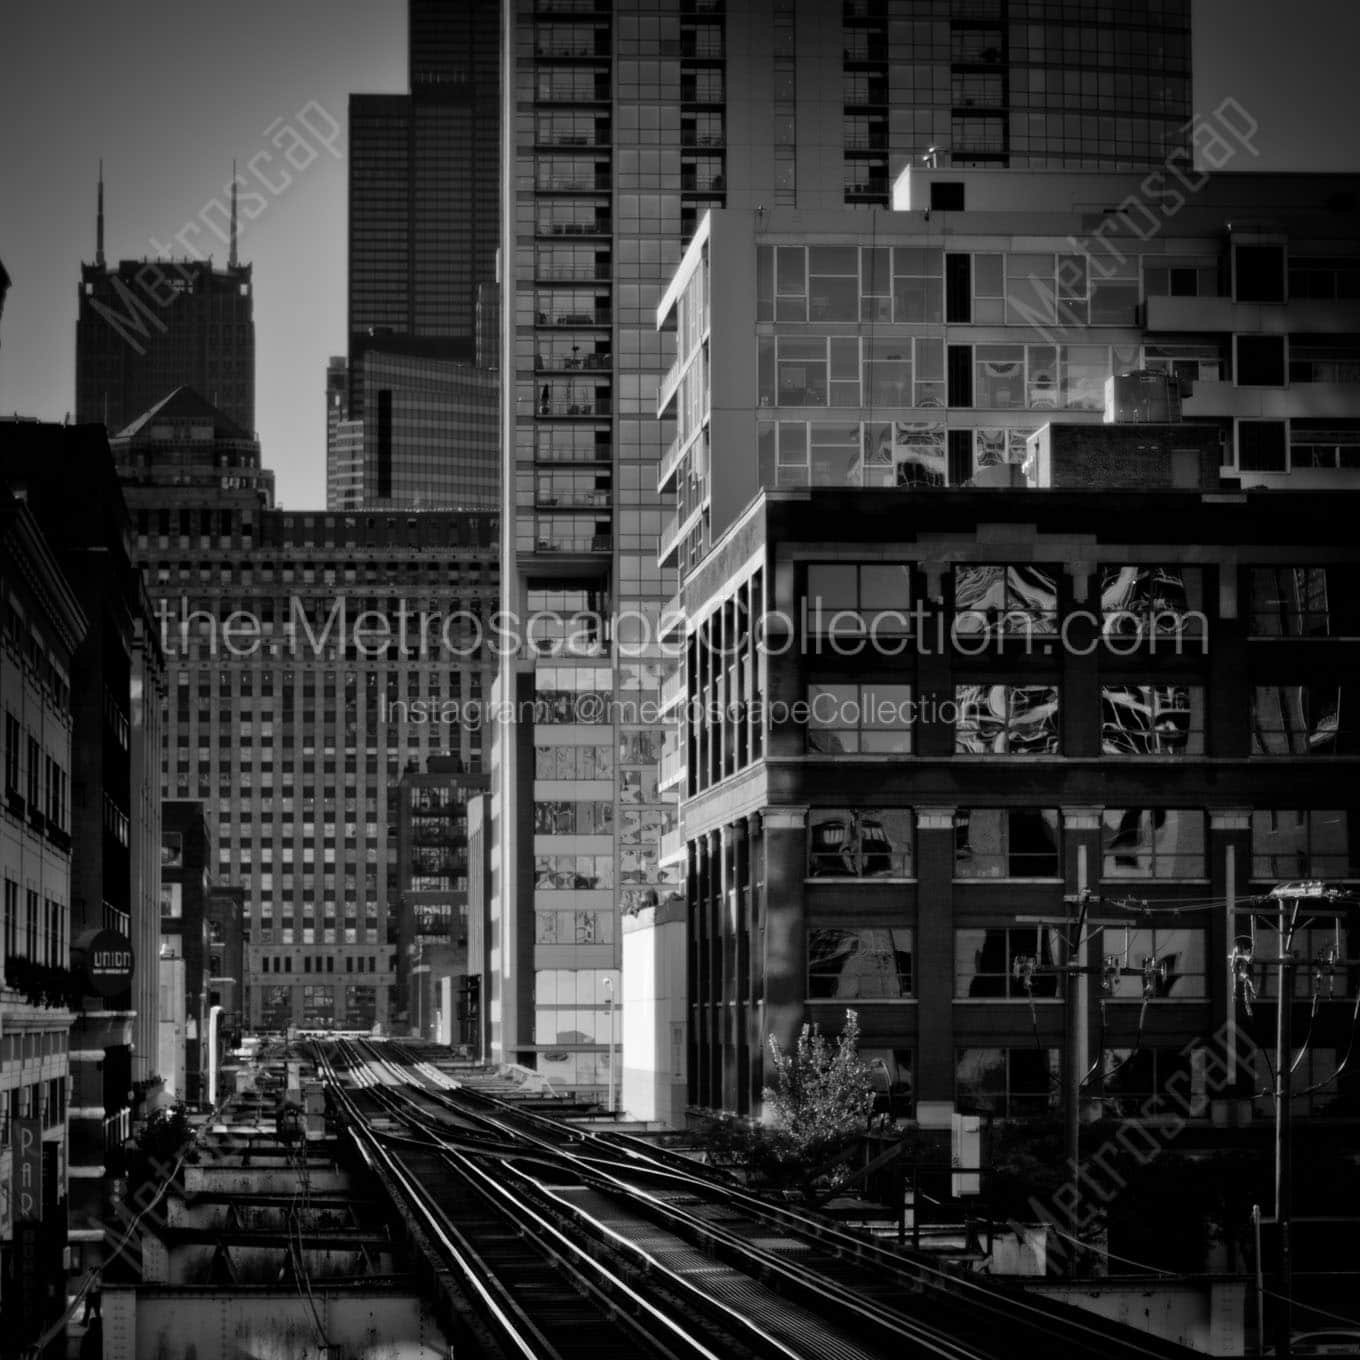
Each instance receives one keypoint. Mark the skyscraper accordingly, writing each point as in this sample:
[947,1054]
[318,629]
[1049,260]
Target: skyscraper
[310,658]
[423,193]
[623,125]
[146,327]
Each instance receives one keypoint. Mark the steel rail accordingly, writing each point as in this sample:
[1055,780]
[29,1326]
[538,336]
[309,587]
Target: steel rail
[800,1285]
[1010,1306]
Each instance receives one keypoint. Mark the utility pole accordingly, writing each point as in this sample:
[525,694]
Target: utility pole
[1077,1025]
[1289,899]
[1286,920]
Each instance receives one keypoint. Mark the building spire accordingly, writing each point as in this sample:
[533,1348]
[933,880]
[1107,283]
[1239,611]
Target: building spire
[231,253]
[99,220]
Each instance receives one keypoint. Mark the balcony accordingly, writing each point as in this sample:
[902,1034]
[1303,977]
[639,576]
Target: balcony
[546,272]
[674,534]
[1223,399]
[670,461]
[671,628]
[572,184]
[1222,314]
[672,848]
[585,363]
[666,392]
[601,226]
[673,690]
[598,316]
[577,406]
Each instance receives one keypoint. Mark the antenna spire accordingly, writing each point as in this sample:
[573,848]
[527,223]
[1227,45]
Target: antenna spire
[231,253]
[99,220]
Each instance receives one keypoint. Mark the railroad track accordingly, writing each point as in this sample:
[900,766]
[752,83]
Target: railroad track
[609,1187]
[574,1264]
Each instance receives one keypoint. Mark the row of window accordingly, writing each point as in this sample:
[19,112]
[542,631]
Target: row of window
[1136,843]
[39,932]
[318,963]
[881,599]
[28,647]
[41,1100]
[922,284]
[878,718]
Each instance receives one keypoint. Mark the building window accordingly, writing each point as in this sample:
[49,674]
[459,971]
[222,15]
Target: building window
[1152,843]
[13,737]
[1015,720]
[1324,443]
[1320,1086]
[1006,843]
[865,964]
[890,1072]
[1165,964]
[1303,720]
[993,600]
[1258,273]
[1260,361]
[872,719]
[1293,843]
[1261,446]
[860,843]
[1320,951]
[1007,964]
[999,378]
[1305,601]
[1145,602]
[1134,1082]
[1015,1083]
[563,818]
[850,601]
[1152,720]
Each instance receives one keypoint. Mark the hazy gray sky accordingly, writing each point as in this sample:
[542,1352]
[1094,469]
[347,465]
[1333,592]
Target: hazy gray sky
[169,93]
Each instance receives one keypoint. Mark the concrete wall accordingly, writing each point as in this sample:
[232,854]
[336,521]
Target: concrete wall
[654,1015]
[225,1324]
[1207,1316]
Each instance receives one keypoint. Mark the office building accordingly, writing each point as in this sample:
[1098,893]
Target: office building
[226,979]
[623,128]
[187,864]
[310,658]
[423,196]
[431,437]
[883,416]
[867,373]
[906,829]
[146,327]
[344,441]
[431,899]
[41,630]
[66,476]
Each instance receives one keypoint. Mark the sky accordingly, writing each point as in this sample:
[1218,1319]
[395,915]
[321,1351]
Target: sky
[168,93]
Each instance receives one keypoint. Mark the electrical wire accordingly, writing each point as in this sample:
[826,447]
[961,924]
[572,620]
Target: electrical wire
[1111,1256]
[1309,1307]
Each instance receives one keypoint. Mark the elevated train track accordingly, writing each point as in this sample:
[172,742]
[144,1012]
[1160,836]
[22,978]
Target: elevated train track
[557,1240]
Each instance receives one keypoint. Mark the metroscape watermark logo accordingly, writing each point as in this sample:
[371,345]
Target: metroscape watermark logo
[301,628]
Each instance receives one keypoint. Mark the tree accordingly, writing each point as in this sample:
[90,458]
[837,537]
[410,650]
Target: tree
[817,1110]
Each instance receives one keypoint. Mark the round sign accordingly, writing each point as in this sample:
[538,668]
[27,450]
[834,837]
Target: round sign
[108,962]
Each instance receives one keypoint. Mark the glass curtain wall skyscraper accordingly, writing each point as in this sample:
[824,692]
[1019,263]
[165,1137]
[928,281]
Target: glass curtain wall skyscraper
[423,193]
[622,124]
